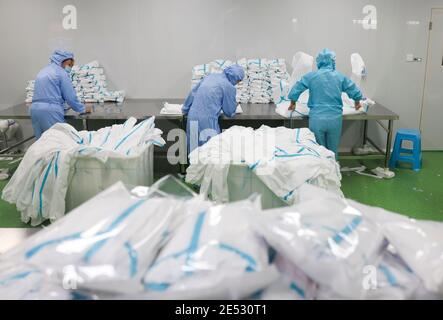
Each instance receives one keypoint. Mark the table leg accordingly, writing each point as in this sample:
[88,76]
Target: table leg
[389,143]
[365,132]
[85,124]
[184,160]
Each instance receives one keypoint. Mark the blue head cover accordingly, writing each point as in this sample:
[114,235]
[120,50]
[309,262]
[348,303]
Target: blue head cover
[326,59]
[59,56]
[234,73]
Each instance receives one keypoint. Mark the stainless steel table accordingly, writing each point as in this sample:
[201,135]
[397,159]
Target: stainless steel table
[145,108]
[377,113]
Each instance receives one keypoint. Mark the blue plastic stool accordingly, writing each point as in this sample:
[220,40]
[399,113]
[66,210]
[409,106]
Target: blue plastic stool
[400,154]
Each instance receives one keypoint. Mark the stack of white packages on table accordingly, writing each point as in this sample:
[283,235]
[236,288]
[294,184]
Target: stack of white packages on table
[243,94]
[30,91]
[39,186]
[89,81]
[283,159]
[159,246]
[259,81]
[262,77]
[278,74]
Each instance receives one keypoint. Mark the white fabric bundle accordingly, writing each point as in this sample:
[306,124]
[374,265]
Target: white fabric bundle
[38,187]
[172,109]
[211,252]
[284,159]
[302,109]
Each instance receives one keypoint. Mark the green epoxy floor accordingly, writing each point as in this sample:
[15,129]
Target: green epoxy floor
[417,195]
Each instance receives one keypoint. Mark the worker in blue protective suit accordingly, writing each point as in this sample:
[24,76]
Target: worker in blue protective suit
[53,88]
[326,86]
[203,106]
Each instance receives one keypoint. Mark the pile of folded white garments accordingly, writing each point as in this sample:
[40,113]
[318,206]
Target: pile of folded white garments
[30,91]
[303,64]
[262,77]
[38,187]
[171,109]
[243,94]
[199,72]
[283,159]
[152,245]
[89,81]
[217,66]
[277,74]
[259,81]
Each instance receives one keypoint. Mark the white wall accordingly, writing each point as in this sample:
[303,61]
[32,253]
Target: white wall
[149,47]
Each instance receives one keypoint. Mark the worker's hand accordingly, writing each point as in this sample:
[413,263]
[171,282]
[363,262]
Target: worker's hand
[292,106]
[358,105]
[88,109]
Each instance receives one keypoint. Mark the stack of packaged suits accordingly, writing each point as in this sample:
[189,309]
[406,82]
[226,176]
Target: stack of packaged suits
[30,91]
[89,81]
[243,94]
[262,77]
[147,244]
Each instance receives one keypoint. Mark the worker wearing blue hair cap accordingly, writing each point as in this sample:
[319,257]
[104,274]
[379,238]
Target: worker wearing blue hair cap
[325,99]
[53,88]
[215,93]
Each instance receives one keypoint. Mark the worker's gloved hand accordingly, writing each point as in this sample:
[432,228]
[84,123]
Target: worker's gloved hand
[88,109]
[358,105]
[292,106]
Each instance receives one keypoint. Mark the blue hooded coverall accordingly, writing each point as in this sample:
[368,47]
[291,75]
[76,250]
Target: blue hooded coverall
[216,92]
[53,88]
[325,99]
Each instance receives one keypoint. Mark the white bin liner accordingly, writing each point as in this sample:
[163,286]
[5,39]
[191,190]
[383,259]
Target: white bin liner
[283,159]
[39,186]
[209,255]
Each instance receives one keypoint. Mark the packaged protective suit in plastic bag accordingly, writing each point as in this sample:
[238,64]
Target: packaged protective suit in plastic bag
[420,244]
[213,254]
[19,281]
[105,244]
[330,241]
[293,284]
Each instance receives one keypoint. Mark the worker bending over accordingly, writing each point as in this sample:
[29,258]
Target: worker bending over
[325,100]
[53,88]
[215,93]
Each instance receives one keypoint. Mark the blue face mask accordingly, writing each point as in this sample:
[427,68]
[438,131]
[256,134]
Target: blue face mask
[68,69]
